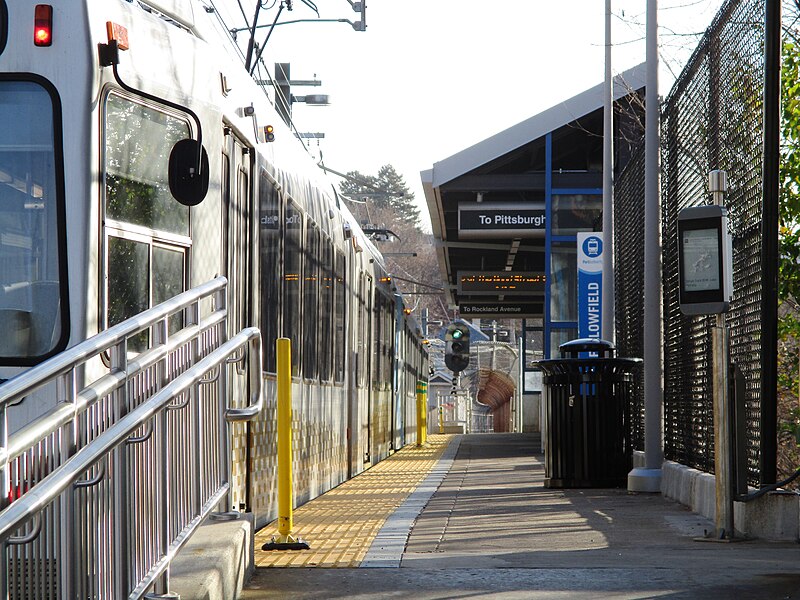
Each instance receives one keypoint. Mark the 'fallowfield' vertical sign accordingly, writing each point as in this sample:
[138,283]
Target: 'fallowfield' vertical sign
[590,285]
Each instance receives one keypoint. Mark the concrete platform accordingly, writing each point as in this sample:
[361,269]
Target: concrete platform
[491,530]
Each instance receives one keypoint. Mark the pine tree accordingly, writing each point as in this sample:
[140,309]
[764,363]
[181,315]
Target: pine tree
[386,192]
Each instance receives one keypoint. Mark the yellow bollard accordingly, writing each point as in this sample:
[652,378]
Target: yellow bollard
[285,540]
[424,412]
[422,424]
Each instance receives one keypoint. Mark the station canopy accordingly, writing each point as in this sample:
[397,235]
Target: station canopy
[491,205]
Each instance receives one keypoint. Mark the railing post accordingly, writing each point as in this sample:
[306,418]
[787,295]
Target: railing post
[121,564]
[68,392]
[4,501]
[193,318]
[222,390]
[160,337]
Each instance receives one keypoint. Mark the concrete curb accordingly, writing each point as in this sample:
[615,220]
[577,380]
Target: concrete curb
[775,516]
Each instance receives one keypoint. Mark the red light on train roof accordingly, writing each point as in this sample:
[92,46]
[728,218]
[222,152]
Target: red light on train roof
[117,33]
[43,25]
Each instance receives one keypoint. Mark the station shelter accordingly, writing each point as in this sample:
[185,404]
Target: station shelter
[507,214]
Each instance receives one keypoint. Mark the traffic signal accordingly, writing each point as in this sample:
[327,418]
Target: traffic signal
[456,352]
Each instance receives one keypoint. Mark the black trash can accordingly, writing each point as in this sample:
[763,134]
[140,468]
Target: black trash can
[587,402]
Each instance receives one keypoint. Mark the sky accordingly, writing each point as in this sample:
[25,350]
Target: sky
[429,78]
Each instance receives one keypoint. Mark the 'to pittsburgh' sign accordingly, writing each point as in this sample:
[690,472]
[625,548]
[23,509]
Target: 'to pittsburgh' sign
[484,220]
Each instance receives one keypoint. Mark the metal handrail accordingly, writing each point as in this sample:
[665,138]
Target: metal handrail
[46,467]
[63,413]
[25,383]
[48,490]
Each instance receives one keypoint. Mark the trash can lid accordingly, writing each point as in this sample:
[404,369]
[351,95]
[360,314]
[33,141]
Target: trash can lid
[573,347]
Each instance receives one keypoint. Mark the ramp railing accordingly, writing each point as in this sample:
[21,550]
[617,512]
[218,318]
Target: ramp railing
[100,493]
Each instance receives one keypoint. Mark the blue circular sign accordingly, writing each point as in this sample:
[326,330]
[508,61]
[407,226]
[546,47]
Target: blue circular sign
[593,246]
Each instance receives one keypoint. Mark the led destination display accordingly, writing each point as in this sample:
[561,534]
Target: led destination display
[497,283]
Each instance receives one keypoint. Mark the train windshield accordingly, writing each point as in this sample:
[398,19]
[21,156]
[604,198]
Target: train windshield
[30,299]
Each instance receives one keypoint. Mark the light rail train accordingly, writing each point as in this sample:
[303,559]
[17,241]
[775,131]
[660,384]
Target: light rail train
[94,96]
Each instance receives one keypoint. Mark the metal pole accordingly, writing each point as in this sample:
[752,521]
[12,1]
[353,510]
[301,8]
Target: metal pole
[718,185]
[285,540]
[769,244]
[608,326]
[648,479]
[284,439]
[420,413]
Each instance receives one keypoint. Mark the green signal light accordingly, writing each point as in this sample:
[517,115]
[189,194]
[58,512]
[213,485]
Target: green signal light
[457,334]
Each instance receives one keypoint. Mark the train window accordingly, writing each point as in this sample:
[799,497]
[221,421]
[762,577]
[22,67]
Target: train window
[326,314]
[138,143]
[169,273]
[310,301]
[369,325]
[362,336]
[388,342]
[379,349]
[292,283]
[130,258]
[146,231]
[339,333]
[239,255]
[33,298]
[270,247]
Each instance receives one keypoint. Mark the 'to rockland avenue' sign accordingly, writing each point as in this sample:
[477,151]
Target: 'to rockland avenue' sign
[484,220]
[500,310]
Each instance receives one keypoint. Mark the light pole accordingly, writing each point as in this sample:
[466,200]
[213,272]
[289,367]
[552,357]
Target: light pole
[648,479]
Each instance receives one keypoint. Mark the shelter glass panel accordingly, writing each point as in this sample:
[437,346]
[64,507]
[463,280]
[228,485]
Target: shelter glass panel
[576,212]
[558,337]
[534,347]
[563,282]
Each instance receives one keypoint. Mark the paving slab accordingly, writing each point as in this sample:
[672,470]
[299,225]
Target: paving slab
[492,530]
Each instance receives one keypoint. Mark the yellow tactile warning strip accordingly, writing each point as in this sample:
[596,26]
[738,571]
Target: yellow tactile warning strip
[341,524]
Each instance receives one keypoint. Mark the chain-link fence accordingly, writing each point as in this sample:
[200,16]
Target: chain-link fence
[712,119]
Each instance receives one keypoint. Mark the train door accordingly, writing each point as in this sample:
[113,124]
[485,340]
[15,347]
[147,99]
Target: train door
[237,215]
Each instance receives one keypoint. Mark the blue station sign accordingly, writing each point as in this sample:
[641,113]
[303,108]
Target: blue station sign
[590,285]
